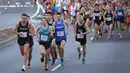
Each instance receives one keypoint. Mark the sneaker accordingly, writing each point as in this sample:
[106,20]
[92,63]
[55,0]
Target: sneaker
[97,37]
[109,37]
[79,55]
[53,62]
[46,69]
[42,59]
[23,68]
[100,37]
[49,61]
[62,62]
[29,65]
[83,61]
[120,36]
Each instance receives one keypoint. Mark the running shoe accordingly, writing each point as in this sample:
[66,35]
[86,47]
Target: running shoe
[46,69]
[62,62]
[29,65]
[120,36]
[109,37]
[83,61]
[49,61]
[79,55]
[53,62]
[42,59]
[23,68]
[97,37]
[100,37]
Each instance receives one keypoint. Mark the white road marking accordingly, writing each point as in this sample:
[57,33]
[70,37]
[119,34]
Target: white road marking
[3,6]
[8,2]
[21,5]
[17,3]
[12,6]
[3,10]
[28,3]
[38,10]
[55,68]
[39,6]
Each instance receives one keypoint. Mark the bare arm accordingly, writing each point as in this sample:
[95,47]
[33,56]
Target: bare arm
[37,32]
[15,29]
[67,26]
[32,30]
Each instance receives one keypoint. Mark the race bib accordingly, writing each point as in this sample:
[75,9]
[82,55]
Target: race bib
[120,14]
[97,14]
[80,36]
[109,19]
[87,12]
[23,34]
[44,38]
[60,33]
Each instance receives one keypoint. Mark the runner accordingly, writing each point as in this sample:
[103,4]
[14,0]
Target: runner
[120,17]
[60,35]
[58,5]
[22,29]
[80,36]
[43,34]
[97,20]
[109,21]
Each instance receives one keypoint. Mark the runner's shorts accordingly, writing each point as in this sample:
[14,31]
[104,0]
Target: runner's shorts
[47,45]
[23,41]
[82,41]
[121,20]
[59,42]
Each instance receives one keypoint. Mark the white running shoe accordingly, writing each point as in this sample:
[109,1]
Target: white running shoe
[23,68]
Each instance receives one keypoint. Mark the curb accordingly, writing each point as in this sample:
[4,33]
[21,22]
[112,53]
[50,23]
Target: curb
[10,41]
[7,42]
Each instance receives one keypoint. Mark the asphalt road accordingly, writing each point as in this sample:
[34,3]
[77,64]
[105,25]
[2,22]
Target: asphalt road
[103,56]
[9,16]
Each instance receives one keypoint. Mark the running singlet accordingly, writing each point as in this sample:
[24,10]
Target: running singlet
[97,14]
[120,13]
[80,29]
[60,31]
[24,30]
[44,34]
[109,17]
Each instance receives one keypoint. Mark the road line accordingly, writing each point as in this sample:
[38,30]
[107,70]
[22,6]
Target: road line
[13,6]
[38,10]
[17,3]
[28,3]
[3,10]
[55,68]
[8,2]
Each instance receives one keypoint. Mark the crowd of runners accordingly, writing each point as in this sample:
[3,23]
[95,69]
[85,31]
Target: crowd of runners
[105,15]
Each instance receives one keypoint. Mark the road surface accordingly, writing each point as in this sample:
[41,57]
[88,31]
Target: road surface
[103,56]
[10,15]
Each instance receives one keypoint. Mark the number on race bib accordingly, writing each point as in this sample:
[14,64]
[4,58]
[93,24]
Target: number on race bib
[120,13]
[60,33]
[109,19]
[23,34]
[80,36]
[97,14]
[44,38]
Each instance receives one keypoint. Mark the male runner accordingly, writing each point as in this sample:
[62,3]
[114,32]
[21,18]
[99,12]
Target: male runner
[60,35]
[22,29]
